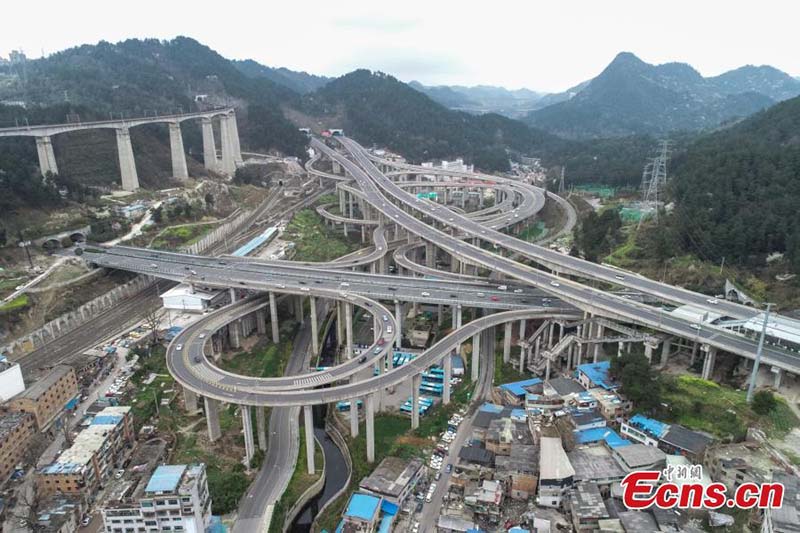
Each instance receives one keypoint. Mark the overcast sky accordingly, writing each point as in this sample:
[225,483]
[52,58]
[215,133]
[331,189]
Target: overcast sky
[546,46]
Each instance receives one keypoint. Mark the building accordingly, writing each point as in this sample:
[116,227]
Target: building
[503,433]
[59,514]
[16,431]
[785,519]
[556,474]
[595,464]
[587,508]
[362,514]
[592,375]
[639,457]
[184,297]
[734,464]
[48,397]
[131,212]
[11,382]
[643,430]
[93,456]
[514,393]
[486,499]
[671,438]
[564,387]
[610,404]
[394,479]
[588,419]
[175,498]
[520,471]
[601,434]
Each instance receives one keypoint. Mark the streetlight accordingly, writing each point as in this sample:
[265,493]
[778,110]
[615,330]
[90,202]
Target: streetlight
[754,374]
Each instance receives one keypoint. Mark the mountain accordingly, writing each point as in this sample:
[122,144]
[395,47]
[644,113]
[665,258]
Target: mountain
[736,191]
[634,97]
[299,82]
[482,98]
[377,108]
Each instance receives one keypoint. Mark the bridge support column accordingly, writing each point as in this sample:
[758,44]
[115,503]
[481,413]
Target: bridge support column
[234,131]
[665,348]
[228,161]
[308,422]
[776,384]
[708,363]
[273,318]
[476,356]
[370,409]
[459,319]
[261,321]
[537,348]
[234,328]
[209,146]
[507,343]
[599,334]
[448,372]
[190,400]
[179,170]
[212,418]
[348,322]
[339,323]
[398,317]
[416,381]
[127,165]
[648,352]
[299,310]
[439,314]
[247,426]
[314,325]
[430,255]
[353,416]
[47,157]
[547,369]
[261,428]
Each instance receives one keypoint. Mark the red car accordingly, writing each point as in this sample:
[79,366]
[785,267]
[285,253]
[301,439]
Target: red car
[495,299]
[381,341]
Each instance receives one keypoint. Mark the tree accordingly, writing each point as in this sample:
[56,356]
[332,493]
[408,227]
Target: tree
[209,199]
[152,323]
[157,214]
[764,402]
[639,382]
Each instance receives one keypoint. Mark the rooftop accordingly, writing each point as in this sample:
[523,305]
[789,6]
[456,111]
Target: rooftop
[608,435]
[587,501]
[553,460]
[182,290]
[638,521]
[745,456]
[565,386]
[518,388]
[697,314]
[594,463]
[166,478]
[686,439]
[40,387]
[362,506]
[587,417]
[523,458]
[779,327]
[391,476]
[650,426]
[598,374]
[639,455]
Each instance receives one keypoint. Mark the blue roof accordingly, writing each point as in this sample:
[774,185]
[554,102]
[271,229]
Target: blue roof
[255,242]
[598,374]
[386,523]
[389,508]
[106,420]
[519,414]
[587,436]
[165,478]
[362,506]
[518,387]
[653,427]
[517,529]
[491,408]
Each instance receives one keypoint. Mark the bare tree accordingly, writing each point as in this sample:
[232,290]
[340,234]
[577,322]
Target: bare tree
[152,321]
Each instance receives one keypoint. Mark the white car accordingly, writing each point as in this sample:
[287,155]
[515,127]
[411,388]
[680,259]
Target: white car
[698,327]
[713,301]
[517,291]
[555,284]
[179,347]
[344,284]
[425,293]
[304,289]
[619,276]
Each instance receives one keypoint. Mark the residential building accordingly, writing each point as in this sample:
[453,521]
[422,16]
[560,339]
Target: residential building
[611,405]
[601,434]
[639,457]
[644,430]
[362,514]
[487,499]
[93,456]
[564,387]
[592,375]
[514,393]
[16,431]
[595,464]
[519,470]
[11,382]
[588,419]
[174,498]
[556,474]
[505,432]
[48,397]
[59,514]
[681,441]
[785,519]
[394,479]
[587,508]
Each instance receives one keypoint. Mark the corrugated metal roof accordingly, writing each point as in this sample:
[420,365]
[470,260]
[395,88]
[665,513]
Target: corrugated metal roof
[166,478]
[362,506]
[517,388]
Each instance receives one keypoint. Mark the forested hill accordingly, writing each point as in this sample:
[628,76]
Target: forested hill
[137,77]
[377,108]
[737,192]
[299,82]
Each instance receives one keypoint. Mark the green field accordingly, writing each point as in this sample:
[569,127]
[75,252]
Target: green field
[15,305]
[175,237]
[314,241]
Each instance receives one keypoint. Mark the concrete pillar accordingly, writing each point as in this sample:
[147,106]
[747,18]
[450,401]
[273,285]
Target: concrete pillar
[299,309]
[430,255]
[339,323]
[348,323]
[665,348]
[459,318]
[228,163]
[507,343]
[190,400]
[398,317]
[308,422]
[599,330]
[127,165]
[416,381]
[776,384]
[448,372]
[179,170]
[234,330]
[47,157]
[619,348]
[261,428]
[247,426]
[550,333]
[209,146]
[708,363]
[648,352]
[353,416]
[233,129]
[439,314]
[212,418]
[476,355]
[547,369]
[692,358]
[273,318]
[370,408]
[314,326]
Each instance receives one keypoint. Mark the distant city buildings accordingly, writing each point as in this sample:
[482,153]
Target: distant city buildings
[49,397]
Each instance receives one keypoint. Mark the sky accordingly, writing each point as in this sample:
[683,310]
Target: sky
[545,46]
